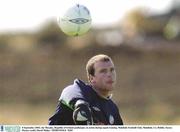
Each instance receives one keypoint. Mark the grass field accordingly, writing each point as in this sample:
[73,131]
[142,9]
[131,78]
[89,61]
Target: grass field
[147,90]
[25,114]
[28,114]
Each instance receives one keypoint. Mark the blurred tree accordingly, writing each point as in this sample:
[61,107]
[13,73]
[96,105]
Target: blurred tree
[51,35]
[172,29]
[3,41]
[138,22]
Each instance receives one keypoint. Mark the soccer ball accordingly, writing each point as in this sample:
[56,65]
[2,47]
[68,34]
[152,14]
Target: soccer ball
[76,21]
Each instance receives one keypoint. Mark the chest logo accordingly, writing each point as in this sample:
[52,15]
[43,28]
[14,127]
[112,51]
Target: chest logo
[111,119]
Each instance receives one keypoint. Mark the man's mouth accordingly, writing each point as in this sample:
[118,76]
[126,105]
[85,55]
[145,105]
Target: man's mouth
[110,82]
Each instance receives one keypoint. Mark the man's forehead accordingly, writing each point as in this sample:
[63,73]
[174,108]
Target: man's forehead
[103,64]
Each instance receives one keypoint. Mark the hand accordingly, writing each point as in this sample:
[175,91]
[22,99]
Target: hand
[82,113]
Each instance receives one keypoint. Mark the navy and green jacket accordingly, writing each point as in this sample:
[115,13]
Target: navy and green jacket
[104,111]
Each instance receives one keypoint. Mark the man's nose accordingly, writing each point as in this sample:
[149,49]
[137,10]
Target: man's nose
[109,74]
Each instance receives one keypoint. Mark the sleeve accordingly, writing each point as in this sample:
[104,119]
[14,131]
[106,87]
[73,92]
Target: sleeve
[70,95]
[64,111]
[73,108]
[73,98]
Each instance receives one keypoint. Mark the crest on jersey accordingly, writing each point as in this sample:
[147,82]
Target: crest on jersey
[111,119]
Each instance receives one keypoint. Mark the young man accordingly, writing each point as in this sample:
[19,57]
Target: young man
[90,104]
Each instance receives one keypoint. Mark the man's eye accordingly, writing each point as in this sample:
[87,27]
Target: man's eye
[103,71]
[112,70]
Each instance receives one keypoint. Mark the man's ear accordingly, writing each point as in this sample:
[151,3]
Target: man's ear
[91,78]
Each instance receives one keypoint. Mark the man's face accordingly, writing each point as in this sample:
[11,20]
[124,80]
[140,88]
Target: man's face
[104,76]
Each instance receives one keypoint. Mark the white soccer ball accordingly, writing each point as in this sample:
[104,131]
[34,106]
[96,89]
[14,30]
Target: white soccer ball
[76,21]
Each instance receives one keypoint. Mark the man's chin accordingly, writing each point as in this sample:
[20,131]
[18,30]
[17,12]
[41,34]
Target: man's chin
[110,88]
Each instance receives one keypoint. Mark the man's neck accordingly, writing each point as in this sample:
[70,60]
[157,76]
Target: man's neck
[103,94]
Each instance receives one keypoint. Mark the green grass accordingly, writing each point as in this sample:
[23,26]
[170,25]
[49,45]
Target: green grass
[28,114]
[25,114]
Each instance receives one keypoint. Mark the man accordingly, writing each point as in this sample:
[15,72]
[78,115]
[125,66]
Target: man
[90,104]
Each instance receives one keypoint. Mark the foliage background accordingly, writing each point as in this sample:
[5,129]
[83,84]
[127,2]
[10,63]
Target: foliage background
[36,66]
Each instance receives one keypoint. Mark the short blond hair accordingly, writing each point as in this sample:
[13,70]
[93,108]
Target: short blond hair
[90,64]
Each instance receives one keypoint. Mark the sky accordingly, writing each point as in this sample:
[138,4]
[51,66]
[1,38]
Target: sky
[18,15]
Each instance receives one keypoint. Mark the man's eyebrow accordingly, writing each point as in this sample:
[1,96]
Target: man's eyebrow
[102,69]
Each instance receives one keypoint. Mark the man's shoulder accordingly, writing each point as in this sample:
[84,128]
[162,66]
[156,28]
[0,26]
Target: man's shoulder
[71,92]
[70,89]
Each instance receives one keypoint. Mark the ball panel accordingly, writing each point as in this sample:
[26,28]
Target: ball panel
[76,21]
[68,27]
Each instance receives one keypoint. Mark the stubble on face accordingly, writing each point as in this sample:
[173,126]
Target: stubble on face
[105,77]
